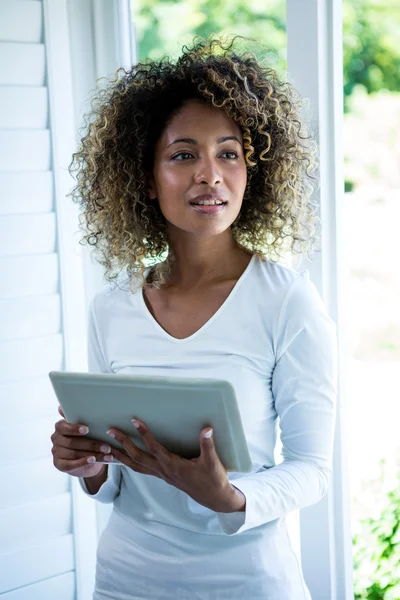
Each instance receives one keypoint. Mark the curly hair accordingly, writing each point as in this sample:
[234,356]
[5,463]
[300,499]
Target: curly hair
[127,117]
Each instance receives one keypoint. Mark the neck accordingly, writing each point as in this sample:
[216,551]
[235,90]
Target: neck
[196,262]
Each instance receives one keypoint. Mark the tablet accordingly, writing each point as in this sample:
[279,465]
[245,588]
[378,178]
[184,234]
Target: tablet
[174,409]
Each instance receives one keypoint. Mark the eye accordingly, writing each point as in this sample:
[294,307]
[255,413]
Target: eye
[181,154]
[235,154]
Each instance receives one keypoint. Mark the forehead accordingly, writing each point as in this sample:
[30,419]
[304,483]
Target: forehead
[198,120]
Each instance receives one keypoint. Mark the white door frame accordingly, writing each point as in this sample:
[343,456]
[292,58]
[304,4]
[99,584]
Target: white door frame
[315,67]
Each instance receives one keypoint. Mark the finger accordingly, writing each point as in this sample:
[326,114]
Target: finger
[135,466]
[65,454]
[80,444]
[67,466]
[60,410]
[154,447]
[65,428]
[137,455]
[207,446]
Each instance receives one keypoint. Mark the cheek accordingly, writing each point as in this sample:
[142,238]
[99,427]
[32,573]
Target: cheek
[239,178]
[171,190]
[171,193]
[168,178]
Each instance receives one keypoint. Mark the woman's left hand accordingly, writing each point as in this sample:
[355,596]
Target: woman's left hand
[203,478]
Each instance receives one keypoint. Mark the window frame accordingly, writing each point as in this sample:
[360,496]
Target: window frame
[315,67]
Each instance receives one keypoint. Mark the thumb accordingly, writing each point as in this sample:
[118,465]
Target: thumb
[61,412]
[207,446]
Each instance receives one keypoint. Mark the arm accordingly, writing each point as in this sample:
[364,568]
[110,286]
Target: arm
[304,387]
[93,484]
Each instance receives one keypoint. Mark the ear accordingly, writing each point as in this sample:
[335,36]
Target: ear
[151,188]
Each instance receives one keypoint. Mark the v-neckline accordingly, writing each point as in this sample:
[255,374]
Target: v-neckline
[227,300]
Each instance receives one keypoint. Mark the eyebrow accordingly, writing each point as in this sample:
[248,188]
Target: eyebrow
[220,140]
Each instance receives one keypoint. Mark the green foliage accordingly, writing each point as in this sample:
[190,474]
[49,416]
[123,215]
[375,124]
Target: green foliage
[164,26]
[371,49]
[371,31]
[376,545]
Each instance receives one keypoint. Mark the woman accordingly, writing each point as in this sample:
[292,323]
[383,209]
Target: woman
[202,163]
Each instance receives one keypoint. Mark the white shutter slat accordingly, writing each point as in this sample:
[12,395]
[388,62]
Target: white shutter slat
[22,64]
[60,588]
[31,482]
[26,192]
[28,148]
[27,234]
[38,511]
[35,523]
[27,441]
[20,21]
[29,317]
[23,108]
[28,275]
[34,563]
[28,399]
[30,358]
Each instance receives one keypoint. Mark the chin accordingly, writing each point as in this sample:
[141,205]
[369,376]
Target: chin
[206,229]
[202,225]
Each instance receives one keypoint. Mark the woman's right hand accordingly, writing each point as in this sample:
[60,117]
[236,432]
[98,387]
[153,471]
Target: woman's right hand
[74,454]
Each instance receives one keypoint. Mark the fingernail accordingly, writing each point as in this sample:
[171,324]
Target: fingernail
[108,458]
[135,423]
[83,429]
[111,434]
[91,459]
[105,449]
[208,434]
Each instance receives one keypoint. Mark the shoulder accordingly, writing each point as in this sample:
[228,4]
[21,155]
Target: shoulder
[114,295]
[297,297]
[299,309]
[278,278]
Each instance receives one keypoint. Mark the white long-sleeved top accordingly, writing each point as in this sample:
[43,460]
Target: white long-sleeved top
[273,340]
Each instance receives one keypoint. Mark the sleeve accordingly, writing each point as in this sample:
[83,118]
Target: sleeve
[97,364]
[304,388]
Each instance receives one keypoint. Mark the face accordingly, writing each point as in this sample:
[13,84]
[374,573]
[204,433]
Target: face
[199,153]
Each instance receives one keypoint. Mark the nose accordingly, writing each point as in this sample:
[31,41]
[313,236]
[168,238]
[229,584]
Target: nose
[207,171]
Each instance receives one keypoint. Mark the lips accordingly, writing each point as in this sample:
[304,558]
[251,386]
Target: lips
[208,198]
[208,209]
